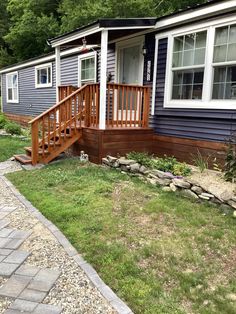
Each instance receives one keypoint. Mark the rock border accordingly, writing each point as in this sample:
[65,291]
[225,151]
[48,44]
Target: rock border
[187,187]
[105,290]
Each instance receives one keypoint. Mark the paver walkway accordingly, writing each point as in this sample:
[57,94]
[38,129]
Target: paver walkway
[40,272]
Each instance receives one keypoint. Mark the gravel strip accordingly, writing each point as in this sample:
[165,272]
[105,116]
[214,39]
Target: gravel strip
[73,291]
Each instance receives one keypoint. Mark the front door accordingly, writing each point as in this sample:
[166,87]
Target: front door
[130,71]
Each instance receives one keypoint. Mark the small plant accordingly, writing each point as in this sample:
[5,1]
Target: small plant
[3,121]
[142,158]
[181,169]
[13,128]
[200,161]
[170,164]
[230,161]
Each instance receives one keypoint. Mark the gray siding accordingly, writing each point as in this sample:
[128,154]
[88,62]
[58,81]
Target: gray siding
[215,125]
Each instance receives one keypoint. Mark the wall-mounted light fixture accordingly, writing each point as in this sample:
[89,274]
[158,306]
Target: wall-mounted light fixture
[144,50]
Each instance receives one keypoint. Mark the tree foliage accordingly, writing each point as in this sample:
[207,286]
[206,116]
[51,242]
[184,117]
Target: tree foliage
[25,25]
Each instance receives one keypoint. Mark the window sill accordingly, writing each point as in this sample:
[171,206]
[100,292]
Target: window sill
[43,86]
[224,104]
[12,101]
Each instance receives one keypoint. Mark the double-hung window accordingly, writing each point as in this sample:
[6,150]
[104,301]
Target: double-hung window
[224,63]
[201,67]
[188,65]
[43,75]
[12,87]
[87,68]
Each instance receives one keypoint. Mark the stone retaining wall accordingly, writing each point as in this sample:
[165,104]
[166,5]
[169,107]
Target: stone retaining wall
[187,187]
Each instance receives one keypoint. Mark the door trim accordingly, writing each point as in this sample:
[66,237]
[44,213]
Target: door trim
[137,41]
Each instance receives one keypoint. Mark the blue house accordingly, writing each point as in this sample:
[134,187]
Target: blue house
[163,85]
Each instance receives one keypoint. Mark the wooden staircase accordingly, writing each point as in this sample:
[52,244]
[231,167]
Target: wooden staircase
[56,129]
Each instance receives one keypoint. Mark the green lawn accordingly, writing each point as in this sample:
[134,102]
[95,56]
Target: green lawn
[159,252]
[10,146]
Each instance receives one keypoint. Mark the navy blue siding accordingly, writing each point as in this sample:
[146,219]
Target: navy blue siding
[32,101]
[215,125]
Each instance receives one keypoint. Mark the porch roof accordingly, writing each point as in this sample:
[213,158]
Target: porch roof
[117,28]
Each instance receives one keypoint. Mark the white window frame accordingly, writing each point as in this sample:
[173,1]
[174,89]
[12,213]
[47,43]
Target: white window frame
[83,57]
[40,67]
[206,102]
[14,101]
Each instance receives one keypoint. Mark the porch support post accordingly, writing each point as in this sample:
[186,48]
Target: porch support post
[58,71]
[103,79]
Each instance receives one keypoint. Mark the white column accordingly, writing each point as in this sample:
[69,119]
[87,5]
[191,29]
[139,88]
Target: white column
[58,70]
[103,79]
[154,77]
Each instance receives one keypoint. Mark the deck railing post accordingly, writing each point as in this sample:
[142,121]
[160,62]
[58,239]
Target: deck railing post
[35,142]
[103,79]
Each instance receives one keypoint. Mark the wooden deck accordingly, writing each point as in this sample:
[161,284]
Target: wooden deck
[74,123]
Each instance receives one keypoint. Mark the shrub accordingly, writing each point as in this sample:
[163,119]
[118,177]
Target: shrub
[3,121]
[230,161]
[142,158]
[13,128]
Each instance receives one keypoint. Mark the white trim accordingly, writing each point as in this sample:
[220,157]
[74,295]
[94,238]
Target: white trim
[195,14]
[16,101]
[58,71]
[70,37]
[129,27]
[39,67]
[206,102]
[137,41]
[45,59]
[154,82]
[2,94]
[103,79]
[87,56]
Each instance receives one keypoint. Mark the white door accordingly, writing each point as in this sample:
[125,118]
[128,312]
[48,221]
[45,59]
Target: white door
[130,71]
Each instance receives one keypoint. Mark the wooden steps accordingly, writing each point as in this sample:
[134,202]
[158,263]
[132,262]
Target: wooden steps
[23,159]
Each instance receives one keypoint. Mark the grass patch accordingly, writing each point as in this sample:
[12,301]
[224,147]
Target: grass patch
[161,253]
[10,146]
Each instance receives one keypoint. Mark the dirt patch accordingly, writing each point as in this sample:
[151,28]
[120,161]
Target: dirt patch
[213,182]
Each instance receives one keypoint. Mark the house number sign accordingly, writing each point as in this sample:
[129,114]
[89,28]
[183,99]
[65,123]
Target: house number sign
[149,66]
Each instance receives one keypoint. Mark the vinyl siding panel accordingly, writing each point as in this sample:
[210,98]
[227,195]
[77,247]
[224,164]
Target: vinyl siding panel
[213,125]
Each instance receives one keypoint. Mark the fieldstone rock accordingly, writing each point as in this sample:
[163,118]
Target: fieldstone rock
[234,214]
[233,198]
[197,189]
[105,161]
[143,170]
[207,195]
[134,167]
[162,174]
[116,164]
[225,196]
[232,204]
[126,162]
[181,183]
[226,209]
[189,194]
[152,181]
[165,182]
[151,175]
[204,197]
[166,189]
[111,159]
[215,200]
[124,168]
[173,187]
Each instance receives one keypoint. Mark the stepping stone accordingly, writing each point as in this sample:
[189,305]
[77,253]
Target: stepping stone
[32,295]
[5,232]
[44,280]
[8,209]
[5,252]
[4,242]
[2,257]
[17,257]
[23,306]
[12,243]
[6,269]
[14,286]
[47,309]
[10,311]
[20,234]
[3,214]
[4,223]
[27,270]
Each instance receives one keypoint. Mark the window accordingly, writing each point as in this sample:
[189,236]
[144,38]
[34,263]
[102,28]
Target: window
[87,68]
[201,66]
[43,75]
[224,83]
[12,87]
[188,64]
